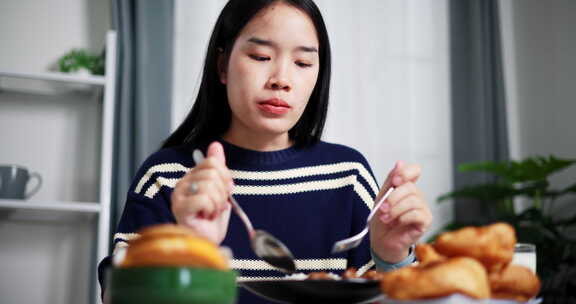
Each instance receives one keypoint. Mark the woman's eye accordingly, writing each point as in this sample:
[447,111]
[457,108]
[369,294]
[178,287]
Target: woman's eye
[303,64]
[259,58]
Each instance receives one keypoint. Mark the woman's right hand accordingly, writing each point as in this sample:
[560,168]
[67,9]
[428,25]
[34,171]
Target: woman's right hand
[207,210]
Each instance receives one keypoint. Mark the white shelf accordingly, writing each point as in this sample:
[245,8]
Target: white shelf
[62,209]
[56,76]
[83,207]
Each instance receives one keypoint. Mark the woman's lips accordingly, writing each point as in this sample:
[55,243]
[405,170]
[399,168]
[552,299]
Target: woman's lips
[274,106]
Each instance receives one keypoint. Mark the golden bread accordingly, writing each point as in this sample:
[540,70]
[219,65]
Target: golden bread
[173,245]
[514,282]
[492,245]
[474,261]
[425,254]
[456,275]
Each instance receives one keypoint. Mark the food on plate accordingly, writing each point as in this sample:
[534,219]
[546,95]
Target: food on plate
[299,276]
[322,275]
[425,254]
[474,261]
[350,273]
[173,245]
[492,245]
[514,282]
[456,275]
[373,275]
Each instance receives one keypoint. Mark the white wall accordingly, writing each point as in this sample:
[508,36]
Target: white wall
[390,85]
[390,95]
[192,28]
[540,73]
[45,257]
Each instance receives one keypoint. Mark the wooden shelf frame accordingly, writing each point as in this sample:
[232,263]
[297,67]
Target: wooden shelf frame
[102,207]
[83,207]
[56,76]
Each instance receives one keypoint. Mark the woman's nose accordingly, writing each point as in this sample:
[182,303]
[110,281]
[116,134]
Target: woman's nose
[279,80]
[278,84]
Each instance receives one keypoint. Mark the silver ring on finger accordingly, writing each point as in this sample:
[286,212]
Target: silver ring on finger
[194,188]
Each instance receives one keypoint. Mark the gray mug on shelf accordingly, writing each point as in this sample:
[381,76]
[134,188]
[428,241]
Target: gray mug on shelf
[13,182]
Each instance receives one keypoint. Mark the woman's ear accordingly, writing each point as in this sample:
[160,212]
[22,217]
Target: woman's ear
[221,65]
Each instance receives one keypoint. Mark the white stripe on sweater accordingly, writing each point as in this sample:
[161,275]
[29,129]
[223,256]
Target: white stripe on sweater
[126,236]
[160,181]
[280,189]
[247,264]
[301,264]
[308,171]
[246,279]
[161,168]
[269,175]
[316,265]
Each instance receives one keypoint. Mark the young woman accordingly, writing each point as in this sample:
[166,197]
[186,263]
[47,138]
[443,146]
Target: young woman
[259,117]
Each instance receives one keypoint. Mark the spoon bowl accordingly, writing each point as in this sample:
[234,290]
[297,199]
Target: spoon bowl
[271,250]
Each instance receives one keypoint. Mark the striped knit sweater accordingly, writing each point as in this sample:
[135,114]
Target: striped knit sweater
[308,198]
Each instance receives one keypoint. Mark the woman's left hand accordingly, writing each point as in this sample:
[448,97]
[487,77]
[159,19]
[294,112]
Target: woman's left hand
[403,217]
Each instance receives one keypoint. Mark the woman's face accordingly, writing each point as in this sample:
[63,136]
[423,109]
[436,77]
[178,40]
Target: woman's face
[272,71]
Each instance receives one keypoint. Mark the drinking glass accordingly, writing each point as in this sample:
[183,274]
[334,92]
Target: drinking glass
[525,255]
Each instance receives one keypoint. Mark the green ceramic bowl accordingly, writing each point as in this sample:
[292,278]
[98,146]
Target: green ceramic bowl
[171,285]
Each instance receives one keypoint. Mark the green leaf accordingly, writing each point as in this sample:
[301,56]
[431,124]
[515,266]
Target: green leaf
[530,169]
[570,189]
[497,168]
[567,222]
[533,189]
[77,59]
[532,234]
[531,214]
[486,192]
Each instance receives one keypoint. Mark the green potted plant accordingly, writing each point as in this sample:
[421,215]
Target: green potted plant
[81,61]
[538,223]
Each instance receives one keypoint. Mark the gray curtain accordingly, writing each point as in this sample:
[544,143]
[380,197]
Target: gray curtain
[144,79]
[479,130]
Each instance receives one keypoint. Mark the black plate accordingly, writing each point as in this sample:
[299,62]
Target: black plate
[316,291]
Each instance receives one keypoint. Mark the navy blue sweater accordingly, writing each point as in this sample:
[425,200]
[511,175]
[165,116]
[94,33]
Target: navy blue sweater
[307,197]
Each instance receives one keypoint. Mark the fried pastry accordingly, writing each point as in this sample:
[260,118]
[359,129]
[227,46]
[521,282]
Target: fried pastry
[474,261]
[492,245]
[456,275]
[350,273]
[425,254]
[173,245]
[514,282]
[373,275]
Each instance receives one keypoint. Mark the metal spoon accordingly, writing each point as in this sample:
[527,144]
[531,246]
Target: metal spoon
[263,243]
[355,240]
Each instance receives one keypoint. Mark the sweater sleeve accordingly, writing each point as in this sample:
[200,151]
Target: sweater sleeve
[148,199]
[147,202]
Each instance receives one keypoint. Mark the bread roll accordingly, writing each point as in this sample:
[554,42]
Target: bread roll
[456,275]
[492,245]
[173,245]
[514,282]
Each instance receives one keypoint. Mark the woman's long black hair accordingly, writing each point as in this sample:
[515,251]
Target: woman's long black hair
[210,116]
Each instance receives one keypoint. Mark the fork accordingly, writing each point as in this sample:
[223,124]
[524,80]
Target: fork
[355,240]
